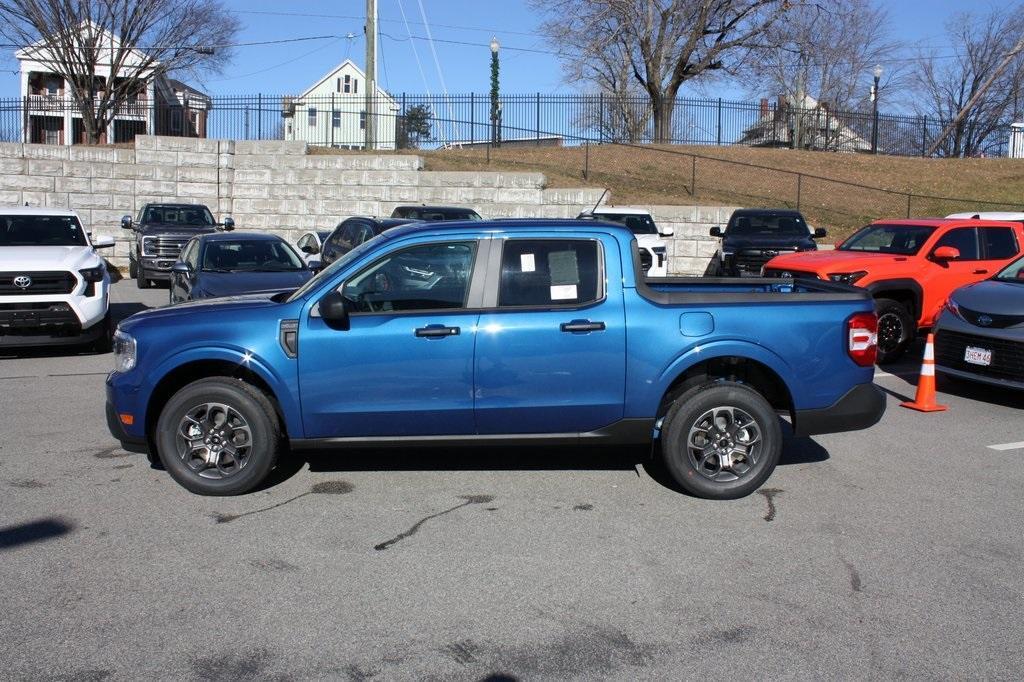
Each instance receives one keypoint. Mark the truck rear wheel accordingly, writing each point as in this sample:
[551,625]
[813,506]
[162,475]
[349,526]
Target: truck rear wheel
[721,440]
[133,269]
[218,436]
[895,329]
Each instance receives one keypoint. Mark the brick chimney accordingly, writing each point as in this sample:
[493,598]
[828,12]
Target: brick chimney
[764,107]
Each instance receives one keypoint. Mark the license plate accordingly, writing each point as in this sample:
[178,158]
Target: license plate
[978,356]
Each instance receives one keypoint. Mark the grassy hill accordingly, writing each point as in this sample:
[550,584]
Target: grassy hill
[837,191]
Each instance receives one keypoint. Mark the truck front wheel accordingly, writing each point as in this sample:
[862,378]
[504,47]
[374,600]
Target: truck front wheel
[218,436]
[895,329]
[721,440]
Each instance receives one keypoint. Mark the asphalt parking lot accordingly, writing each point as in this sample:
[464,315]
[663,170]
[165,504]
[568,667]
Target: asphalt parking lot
[892,552]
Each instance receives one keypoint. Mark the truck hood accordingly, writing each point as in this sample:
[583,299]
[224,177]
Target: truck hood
[192,309]
[237,283]
[171,229]
[790,242]
[832,261]
[1000,298]
[40,258]
[650,240]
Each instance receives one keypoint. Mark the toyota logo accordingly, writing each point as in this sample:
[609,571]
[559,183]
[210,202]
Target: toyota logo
[23,281]
[984,320]
[771,254]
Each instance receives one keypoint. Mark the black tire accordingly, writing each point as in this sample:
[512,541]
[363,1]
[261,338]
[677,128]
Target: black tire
[133,269]
[105,342]
[714,268]
[690,410]
[247,403]
[896,329]
[140,278]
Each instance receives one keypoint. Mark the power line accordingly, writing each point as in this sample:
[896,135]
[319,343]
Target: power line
[391,21]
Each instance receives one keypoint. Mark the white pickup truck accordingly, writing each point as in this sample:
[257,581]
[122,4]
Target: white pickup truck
[653,251]
[53,284]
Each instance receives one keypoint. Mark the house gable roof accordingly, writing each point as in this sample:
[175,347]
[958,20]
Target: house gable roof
[38,50]
[330,74]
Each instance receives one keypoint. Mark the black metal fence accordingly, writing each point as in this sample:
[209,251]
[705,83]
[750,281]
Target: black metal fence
[411,120]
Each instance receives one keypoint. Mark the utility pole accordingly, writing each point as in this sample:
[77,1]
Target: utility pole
[371,73]
[1017,49]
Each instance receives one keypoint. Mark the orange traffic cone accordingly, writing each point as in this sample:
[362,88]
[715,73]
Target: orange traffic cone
[925,399]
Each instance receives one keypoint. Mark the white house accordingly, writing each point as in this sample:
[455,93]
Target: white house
[158,105]
[332,112]
[1016,141]
[821,129]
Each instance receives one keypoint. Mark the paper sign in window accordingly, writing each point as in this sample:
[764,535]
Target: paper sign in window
[526,263]
[563,292]
[564,269]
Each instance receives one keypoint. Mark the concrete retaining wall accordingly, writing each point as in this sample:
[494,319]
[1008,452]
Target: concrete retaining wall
[278,186]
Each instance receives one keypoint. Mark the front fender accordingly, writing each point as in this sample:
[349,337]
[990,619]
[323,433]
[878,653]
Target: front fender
[284,388]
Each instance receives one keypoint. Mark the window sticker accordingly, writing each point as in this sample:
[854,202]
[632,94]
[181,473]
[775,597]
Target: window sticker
[564,270]
[563,292]
[526,263]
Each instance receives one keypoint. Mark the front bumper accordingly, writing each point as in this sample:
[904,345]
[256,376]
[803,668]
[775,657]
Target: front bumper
[129,442]
[157,267]
[953,335]
[860,408]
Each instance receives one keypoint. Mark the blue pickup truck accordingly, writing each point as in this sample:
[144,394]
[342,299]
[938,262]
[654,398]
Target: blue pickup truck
[496,332]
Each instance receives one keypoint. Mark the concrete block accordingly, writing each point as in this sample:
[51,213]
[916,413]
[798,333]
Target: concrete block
[33,198]
[198,174]
[517,196]
[101,154]
[110,218]
[156,158]
[27,183]
[400,194]
[260,191]
[12,165]
[110,186]
[146,143]
[45,167]
[91,169]
[56,200]
[706,247]
[91,200]
[73,184]
[197,189]
[145,172]
[252,175]
[197,159]
[291,147]
[186,144]
[574,196]
[268,161]
[12,150]
[160,187]
[46,151]
[10,198]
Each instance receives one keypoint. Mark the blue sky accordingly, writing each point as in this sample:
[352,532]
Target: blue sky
[290,68]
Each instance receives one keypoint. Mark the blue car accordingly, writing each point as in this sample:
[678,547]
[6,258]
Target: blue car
[233,263]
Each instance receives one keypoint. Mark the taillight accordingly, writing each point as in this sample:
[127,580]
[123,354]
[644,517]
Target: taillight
[862,338]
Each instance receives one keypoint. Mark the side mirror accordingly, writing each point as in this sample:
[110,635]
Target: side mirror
[819,232]
[181,268]
[666,231]
[102,242]
[310,249]
[313,265]
[715,231]
[126,222]
[334,311]
[229,224]
[946,253]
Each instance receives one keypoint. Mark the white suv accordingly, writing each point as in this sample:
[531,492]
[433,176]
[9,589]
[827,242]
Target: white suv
[53,285]
[653,252]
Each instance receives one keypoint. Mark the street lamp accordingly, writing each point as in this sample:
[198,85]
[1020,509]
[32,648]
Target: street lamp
[495,106]
[874,109]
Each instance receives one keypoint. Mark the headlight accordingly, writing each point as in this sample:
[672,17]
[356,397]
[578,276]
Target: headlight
[847,277]
[147,246]
[93,275]
[124,352]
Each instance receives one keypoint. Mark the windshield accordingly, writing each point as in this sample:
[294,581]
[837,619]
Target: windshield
[767,225]
[254,255]
[637,224]
[178,215]
[1014,272]
[38,230]
[337,265]
[902,240]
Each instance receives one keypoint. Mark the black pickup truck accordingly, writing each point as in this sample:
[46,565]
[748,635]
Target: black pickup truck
[161,230]
[754,236]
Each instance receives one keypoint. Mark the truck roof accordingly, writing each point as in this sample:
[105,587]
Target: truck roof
[620,210]
[36,210]
[940,222]
[503,224]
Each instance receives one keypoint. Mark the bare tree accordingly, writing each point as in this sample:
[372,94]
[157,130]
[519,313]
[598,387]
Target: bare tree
[622,110]
[826,49]
[664,43]
[105,50]
[947,87]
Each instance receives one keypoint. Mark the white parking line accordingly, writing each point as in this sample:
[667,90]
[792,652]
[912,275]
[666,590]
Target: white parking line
[883,374]
[1007,446]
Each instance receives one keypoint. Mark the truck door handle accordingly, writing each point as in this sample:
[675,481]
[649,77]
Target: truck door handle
[981,272]
[577,326]
[436,331]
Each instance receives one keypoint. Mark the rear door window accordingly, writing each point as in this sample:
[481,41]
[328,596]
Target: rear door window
[1000,243]
[550,272]
[964,239]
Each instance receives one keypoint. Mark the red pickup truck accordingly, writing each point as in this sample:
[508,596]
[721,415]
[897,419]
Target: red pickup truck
[910,267]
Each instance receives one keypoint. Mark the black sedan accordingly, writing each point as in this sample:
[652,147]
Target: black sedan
[351,233]
[230,264]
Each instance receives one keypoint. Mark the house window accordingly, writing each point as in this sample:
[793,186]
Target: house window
[51,136]
[52,87]
[355,85]
[336,119]
[176,120]
[339,85]
[362,120]
[348,83]
[312,116]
